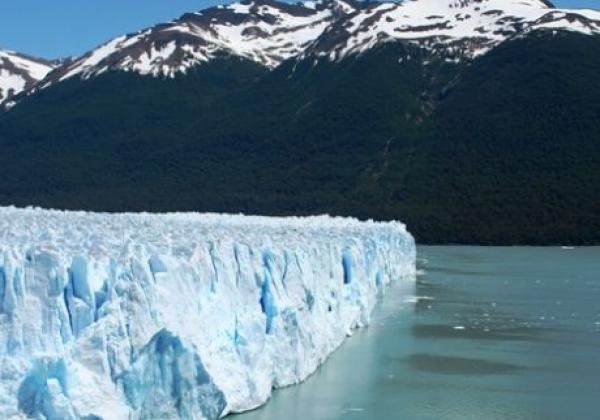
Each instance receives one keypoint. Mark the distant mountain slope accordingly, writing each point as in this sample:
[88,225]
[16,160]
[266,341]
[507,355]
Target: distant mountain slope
[494,147]
[19,72]
[511,153]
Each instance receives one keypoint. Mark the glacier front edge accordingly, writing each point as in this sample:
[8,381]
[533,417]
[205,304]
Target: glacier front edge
[189,316]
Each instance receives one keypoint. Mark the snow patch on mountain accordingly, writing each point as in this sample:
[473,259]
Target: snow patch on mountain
[186,316]
[19,72]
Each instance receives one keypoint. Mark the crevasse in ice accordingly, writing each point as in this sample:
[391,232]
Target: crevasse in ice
[188,316]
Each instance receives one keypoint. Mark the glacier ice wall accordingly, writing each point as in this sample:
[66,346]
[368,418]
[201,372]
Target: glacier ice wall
[188,316]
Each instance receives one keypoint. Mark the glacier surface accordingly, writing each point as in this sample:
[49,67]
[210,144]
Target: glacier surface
[192,316]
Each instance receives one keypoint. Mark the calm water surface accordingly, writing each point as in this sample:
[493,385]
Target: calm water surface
[486,333]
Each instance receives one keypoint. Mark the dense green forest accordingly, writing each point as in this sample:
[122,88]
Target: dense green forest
[502,150]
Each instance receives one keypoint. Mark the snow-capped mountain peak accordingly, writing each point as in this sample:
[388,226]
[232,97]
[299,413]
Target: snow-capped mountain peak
[264,31]
[19,72]
[457,29]
[88,320]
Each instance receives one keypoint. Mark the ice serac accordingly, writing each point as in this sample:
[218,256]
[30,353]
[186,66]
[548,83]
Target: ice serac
[189,316]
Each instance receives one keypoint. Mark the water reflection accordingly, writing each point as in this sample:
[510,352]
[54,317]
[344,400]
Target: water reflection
[460,365]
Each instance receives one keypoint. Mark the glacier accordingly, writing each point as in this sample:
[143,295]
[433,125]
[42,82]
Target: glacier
[187,315]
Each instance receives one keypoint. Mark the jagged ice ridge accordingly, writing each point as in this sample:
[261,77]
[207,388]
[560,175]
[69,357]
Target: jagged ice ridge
[179,315]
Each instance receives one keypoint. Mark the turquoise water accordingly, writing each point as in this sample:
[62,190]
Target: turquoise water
[489,333]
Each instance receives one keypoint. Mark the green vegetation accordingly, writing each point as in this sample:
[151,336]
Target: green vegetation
[504,150]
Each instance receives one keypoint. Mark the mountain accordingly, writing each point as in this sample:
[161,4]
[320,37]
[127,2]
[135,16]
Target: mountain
[268,32]
[20,72]
[474,124]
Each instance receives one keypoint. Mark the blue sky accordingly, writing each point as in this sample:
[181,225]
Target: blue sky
[60,28]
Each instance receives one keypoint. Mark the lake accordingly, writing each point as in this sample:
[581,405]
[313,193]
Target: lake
[485,333]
